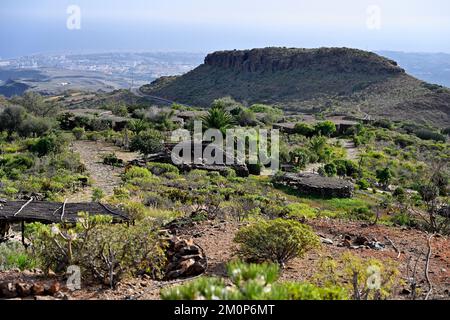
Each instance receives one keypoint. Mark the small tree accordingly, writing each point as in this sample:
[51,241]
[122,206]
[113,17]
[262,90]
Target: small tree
[326,128]
[276,240]
[300,157]
[384,177]
[34,127]
[304,129]
[147,142]
[137,126]
[330,169]
[104,251]
[341,169]
[12,118]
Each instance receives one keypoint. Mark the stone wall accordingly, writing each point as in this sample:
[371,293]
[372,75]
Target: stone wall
[316,185]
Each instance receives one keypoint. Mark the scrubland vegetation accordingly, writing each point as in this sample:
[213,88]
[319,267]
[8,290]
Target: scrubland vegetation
[400,171]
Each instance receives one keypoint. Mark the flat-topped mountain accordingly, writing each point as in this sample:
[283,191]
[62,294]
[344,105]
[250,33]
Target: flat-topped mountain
[329,80]
[284,59]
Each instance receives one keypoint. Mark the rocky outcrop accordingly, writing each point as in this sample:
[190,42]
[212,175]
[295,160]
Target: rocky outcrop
[340,60]
[11,290]
[316,185]
[185,258]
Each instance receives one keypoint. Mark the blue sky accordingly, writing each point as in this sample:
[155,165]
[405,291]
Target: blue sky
[32,26]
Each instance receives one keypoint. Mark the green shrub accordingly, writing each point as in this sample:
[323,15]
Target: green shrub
[200,289]
[147,142]
[97,194]
[160,169]
[10,191]
[362,213]
[300,157]
[400,194]
[14,255]
[251,282]
[305,129]
[321,171]
[92,136]
[325,128]
[346,168]
[384,176]
[78,133]
[383,123]
[263,108]
[34,126]
[135,210]
[446,131]
[44,146]
[301,210]
[276,240]
[19,162]
[330,169]
[246,117]
[308,292]
[104,251]
[122,193]
[425,134]
[403,219]
[363,279]
[363,184]
[404,141]
[154,200]
[111,159]
[137,172]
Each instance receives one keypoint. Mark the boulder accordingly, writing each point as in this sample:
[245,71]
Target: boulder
[327,241]
[23,289]
[189,250]
[8,290]
[38,289]
[54,288]
[360,241]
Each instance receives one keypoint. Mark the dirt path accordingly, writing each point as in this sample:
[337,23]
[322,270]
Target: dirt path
[352,150]
[103,176]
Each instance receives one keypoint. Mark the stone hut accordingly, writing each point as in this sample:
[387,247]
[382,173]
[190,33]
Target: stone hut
[316,185]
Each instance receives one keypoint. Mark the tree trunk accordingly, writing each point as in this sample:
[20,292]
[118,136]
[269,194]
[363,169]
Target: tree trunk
[4,229]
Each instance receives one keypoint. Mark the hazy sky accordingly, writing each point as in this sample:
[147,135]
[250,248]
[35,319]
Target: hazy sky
[32,26]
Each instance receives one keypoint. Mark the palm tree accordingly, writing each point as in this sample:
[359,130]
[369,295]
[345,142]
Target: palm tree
[137,125]
[218,118]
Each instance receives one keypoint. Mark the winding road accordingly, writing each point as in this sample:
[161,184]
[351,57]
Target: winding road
[139,93]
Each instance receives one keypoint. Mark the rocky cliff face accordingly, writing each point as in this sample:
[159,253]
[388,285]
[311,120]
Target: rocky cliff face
[333,60]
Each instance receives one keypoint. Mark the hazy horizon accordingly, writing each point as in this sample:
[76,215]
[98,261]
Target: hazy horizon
[39,27]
